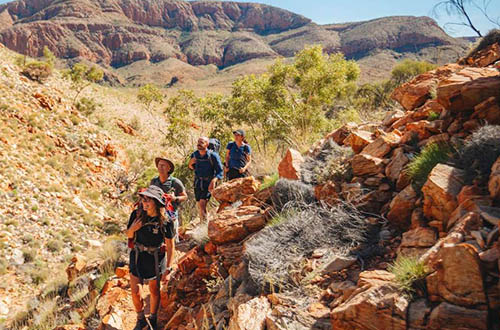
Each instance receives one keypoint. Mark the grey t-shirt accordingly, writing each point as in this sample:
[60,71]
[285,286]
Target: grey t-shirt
[171,185]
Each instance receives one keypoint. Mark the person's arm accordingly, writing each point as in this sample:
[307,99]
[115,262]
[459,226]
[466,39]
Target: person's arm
[180,194]
[226,168]
[192,162]
[218,171]
[134,224]
[170,251]
[249,159]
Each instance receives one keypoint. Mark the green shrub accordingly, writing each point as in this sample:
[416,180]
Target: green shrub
[479,153]
[87,105]
[409,69]
[29,255]
[269,181]
[276,220]
[433,116]
[409,274]
[54,245]
[37,71]
[421,165]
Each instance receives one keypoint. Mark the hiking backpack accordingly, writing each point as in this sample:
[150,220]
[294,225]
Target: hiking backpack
[214,145]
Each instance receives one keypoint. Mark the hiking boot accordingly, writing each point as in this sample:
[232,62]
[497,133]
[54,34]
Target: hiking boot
[141,324]
[152,323]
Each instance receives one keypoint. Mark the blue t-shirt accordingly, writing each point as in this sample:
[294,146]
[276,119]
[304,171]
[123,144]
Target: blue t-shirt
[207,167]
[238,155]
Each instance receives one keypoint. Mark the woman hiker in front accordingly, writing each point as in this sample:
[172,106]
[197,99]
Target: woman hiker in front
[151,238]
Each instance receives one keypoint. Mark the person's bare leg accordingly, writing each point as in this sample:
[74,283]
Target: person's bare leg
[154,298]
[203,209]
[136,295]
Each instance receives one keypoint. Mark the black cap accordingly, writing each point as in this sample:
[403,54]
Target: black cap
[154,192]
[239,132]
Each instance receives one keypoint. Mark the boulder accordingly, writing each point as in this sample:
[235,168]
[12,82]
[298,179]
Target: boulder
[358,140]
[468,87]
[420,127]
[376,304]
[488,110]
[391,117]
[396,165]
[451,317]
[363,164]
[340,134]
[382,145]
[416,241]
[414,93]
[494,182]
[327,192]
[418,313]
[441,191]
[233,225]
[289,167]
[236,189]
[484,57]
[401,207]
[251,315]
[431,106]
[76,267]
[459,276]
[338,263]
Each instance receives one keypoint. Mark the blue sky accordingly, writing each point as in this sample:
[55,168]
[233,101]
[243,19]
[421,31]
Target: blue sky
[336,11]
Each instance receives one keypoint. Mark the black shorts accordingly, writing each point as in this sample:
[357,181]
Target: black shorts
[145,267]
[234,173]
[201,189]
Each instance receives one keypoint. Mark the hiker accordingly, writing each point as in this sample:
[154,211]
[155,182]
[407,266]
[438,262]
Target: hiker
[238,156]
[151,238]
[208,170]
[171,186]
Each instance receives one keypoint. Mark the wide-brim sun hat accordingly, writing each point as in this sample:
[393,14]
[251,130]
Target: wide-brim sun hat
[154,192]
[170,163]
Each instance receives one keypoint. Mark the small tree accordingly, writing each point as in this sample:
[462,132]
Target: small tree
[149,94]
[409,69]
[81,77]
[50,58]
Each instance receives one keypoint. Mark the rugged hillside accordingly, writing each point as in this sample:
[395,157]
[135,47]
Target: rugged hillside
[117,33]
[58,184]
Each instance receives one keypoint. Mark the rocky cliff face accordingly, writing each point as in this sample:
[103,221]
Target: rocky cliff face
[120,32]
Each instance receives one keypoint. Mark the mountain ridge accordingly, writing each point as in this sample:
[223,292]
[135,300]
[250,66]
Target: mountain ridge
[117,33]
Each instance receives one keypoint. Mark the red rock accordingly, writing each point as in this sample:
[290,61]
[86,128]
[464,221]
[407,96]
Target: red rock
[233,225]
[420,127]
[251,315]
[190,261]
[382,145]
[431,106]
[494,182]
[363,164]
[467,88]
[358,140]
[210,248]
[441,191]
[451,317]
[236,189]
[415,242]
[76,267]
[401,207]
[488,110]
[127,129]
[484,57]
[418,313]
[376,304]
[340,134]
[289,167]
[391,117]
[327,193]
[415,92]
[459,275]
[469,192]
[121,272]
